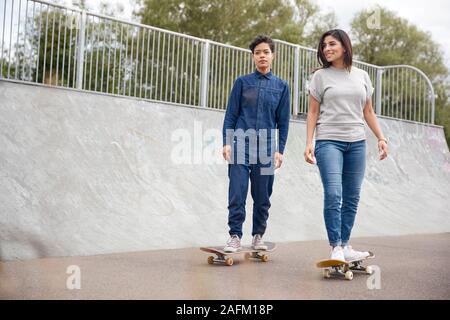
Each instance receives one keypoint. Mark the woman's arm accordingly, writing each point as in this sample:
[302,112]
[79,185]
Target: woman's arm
[311,122]
[372,122]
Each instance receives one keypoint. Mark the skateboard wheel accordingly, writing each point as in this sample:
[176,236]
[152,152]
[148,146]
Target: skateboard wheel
[349,275]
[264,258]
[229,261]
[210,260]
[247,256]
[326,273]
[369,270]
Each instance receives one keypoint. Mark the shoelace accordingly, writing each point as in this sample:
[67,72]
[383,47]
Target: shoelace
[234,241]
[257,240]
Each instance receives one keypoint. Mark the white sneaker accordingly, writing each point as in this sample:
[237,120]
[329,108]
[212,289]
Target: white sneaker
[233,244]
[337,253]
[350,254]
[257,243]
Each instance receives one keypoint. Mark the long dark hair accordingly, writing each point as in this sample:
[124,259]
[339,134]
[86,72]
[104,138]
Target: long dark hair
[344,39]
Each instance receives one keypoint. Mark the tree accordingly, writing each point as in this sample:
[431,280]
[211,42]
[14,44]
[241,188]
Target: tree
[43,51]
[400,42]
[318,25]
[234,22]
[237,22]
[397,42]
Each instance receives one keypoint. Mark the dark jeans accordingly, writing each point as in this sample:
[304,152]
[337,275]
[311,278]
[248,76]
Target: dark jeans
[261,190]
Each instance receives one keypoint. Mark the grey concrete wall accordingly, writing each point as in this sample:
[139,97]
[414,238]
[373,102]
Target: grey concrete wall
[85,174]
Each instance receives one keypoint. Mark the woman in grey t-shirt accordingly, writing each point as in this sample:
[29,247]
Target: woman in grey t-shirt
[340,101]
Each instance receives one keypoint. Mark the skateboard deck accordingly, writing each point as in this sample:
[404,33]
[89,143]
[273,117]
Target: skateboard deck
[344,267]
[224,257]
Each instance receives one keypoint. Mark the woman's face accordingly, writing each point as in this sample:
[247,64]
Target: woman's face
[263,56]
[332,49]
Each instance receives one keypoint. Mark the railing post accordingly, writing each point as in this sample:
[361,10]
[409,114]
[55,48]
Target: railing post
[204,77]
[433,100]
[378,91]
[296,82]
[80,52]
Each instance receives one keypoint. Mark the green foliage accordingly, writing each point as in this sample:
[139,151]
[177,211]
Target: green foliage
[400,42]
[397,42]
[442,117]
[236,22]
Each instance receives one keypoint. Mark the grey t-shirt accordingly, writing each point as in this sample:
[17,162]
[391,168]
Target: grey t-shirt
[342,96]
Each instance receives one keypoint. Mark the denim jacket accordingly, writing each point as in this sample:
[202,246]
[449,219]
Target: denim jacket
[258,102]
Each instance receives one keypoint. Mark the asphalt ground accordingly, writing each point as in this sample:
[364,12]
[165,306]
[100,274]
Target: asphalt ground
[406,267]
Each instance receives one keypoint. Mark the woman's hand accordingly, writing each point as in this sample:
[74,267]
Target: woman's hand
[382,149]
[372,122]
[226,152]
[278,160]
[309,154]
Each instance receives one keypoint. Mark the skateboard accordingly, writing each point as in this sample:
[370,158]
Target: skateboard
[249,254]
[344,268]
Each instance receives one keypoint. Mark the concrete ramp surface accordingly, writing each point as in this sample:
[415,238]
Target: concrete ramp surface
[85,173]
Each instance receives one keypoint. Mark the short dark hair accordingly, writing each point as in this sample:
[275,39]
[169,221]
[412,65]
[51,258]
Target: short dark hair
[344,39]
[262,39]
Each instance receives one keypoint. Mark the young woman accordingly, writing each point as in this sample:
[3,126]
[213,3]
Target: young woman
[340,101]
[258,104]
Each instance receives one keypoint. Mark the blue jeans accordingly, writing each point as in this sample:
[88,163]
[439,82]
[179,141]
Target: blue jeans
[261,181]
[341,165]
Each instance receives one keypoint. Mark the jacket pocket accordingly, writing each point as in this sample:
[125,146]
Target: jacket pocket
[273,98]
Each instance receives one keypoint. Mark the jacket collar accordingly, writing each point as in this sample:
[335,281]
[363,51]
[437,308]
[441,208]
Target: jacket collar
[260,75]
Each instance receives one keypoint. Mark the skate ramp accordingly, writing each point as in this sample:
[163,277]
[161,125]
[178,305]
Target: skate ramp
[86,174]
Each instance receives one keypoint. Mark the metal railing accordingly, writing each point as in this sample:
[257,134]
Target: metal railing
[401,91]
[57,45]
